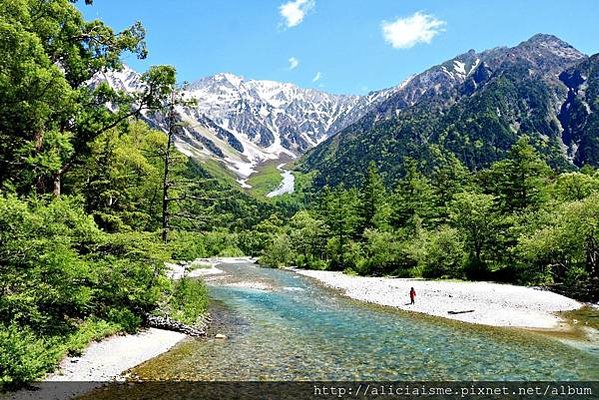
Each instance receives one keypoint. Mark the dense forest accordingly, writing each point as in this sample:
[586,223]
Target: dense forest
[92,200]
[517,221]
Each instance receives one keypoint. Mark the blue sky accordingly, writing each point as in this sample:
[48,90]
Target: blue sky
[340,46]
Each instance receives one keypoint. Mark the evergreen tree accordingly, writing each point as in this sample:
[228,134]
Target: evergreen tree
[414,199]
[519,181]
[448,178]
[472,214]
[340,209]
[308,238]
[376,207]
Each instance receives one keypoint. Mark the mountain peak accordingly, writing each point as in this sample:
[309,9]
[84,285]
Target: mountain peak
[222,79]
[227,76]
[545,38]
[552,43]
[549,52]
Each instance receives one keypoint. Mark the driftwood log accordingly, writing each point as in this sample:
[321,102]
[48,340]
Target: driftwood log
[459,312]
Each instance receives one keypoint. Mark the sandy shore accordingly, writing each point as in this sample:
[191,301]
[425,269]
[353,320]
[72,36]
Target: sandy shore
[493,304]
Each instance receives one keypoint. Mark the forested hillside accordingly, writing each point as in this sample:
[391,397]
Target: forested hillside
[517,221]
[476,114]
[579,115]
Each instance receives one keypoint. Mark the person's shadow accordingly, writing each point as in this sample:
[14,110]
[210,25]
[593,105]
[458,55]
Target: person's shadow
[408,304]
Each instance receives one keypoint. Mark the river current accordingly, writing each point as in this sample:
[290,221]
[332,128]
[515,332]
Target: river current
[283,326]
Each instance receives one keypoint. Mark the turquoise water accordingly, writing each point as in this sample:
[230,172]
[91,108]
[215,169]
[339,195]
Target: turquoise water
[298,330]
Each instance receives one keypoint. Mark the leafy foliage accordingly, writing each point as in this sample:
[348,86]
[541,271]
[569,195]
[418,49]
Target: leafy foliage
[188,301]
[82,184]
[516,221]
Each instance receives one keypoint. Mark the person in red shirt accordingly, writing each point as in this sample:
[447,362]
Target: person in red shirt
[412,295]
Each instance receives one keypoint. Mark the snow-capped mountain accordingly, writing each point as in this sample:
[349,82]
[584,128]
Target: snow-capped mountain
[245,122]
[545,55]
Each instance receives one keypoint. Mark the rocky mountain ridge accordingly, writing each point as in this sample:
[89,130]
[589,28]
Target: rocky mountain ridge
[473,108]
[243,123]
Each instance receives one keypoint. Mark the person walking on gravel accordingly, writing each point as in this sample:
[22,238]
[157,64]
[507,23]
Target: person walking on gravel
[412,295]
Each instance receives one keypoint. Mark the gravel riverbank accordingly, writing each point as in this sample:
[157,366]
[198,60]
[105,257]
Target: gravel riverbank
[100,363]
[475,302]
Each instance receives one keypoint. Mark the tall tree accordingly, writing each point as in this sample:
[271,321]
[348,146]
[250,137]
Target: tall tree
[519,181]
[414,199]
[376,207]
[340,208]
[472,214]
[50,111]
[307,237]
[171,121]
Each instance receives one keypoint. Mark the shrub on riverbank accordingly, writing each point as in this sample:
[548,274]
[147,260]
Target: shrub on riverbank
[189,301]
[64,283]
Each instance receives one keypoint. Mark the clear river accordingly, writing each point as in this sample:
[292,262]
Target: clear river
[283,326]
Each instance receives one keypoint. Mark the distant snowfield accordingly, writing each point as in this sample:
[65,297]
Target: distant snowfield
[244,123]
[286,186]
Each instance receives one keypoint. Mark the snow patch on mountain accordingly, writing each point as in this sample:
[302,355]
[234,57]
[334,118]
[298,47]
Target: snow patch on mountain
[243,123]
[460,67]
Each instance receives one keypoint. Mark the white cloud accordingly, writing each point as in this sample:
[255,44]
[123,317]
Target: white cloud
[294,11]
[404,33]
[317,77]
[293,63]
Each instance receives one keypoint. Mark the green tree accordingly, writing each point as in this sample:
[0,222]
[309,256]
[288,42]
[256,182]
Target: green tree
[449,176]
[473,215]
[51,113]
[414,199]
[566,248]
[340,208]
[121,179]
[307,238]
[278,252]
[376,207]
[443,254]
[519,181]
[381,253]
[574,186]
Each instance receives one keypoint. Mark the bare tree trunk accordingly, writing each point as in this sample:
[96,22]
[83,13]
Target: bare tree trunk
[592,255]
[165,181]
[41,182]
[165,200]
[57,179]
